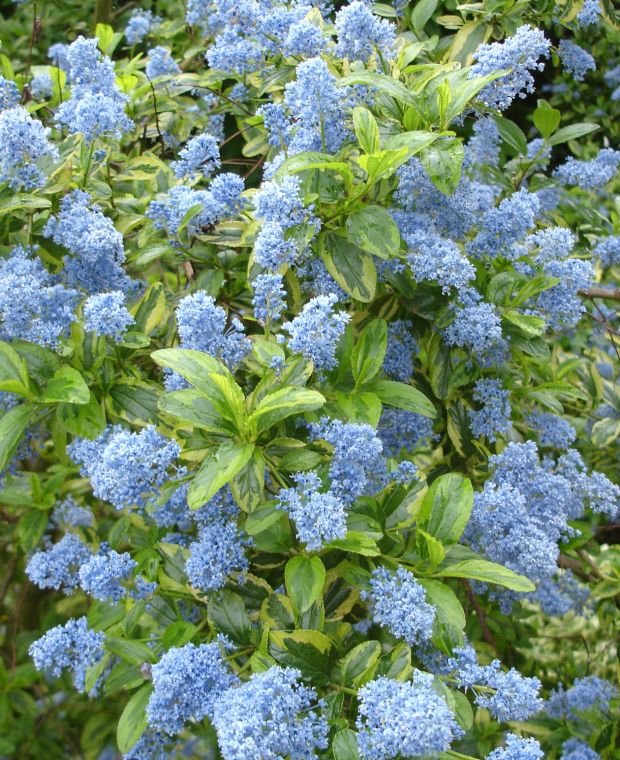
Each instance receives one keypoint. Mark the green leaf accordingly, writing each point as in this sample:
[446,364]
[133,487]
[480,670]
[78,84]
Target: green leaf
[442,162]
[86,420]
[217,470]
[369,351]
[351,267]
[489,572]
[208,375]
[178,634]
[572,132]
[13,371]
[132,651]
[30,529]
[546,119]
[511,134]
[402,396]
[248,484]
[362,408]
[431,550]
[366,129]
[12,426]
[414,141]
[132,723]
[383,164]
[282,403]
[356,543]
[195,408]
[605,432]
[357,664]
[446,507]
[373,229]
[384,84]
[67,386]
[228,615]
[135,401]
[312,160]
[344,745]
[449,610]
[421,14]
[307,650]
[304,578]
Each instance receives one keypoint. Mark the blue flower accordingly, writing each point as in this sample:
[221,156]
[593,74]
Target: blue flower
[360,33]
[590,13]
[607,251]
[41,86]
[201,155]
[96,247]
[477,328]
[102,575]
[24,145]
[97,106]
[517,748]
[202,327]
[589,175]
[160,63]
[521,54]
[140,24]
[269,300]
[560,594]
[494,417]
[483,146]
[502,227]
[73,646]
[319,516]
[400,429]
[586,694]
[304,40]
[216,554]
[401,347]
[316,331]
[438,259]
[187,682]
[106,314]
[10,95]
[575,60]
[67,513]
[33,306]
[403,719]
[554,431]
[126,469]
[272,715]
[575,749]
[57,567]
[398,603]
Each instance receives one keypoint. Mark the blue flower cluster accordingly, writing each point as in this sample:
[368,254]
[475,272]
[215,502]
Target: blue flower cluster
[140,24]
[520,53]
[106,314]
[221,201]
[589,175]
[575,60]
[400,429]
[201,155]
[590,13]
[575,749]
[513,697]
[103,574]
[269,299]
[125,468]
[554,432]
[10,95]
[96,248]
[586,694]
[517,748]
[398,603]
[316,331]
[187,682]
[68,513]
[202,327]
[407,719]
[272,715]
[320,516]
[58,566]
[401,348]
[96,107]
[216,554]
[160,63]
[477,328]
[357,461]
[73,646]
[24,147]
[33,305]
[360,33]
[280,209]
[560,594]
[501,228]
[494,417]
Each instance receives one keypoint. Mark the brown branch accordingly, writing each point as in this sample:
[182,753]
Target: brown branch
[484,627]
[606,293]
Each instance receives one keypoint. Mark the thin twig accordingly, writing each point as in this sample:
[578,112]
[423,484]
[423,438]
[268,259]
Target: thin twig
[161,137]
[484,627]
[604,293]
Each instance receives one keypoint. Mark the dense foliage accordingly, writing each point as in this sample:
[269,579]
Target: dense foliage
[309,354]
